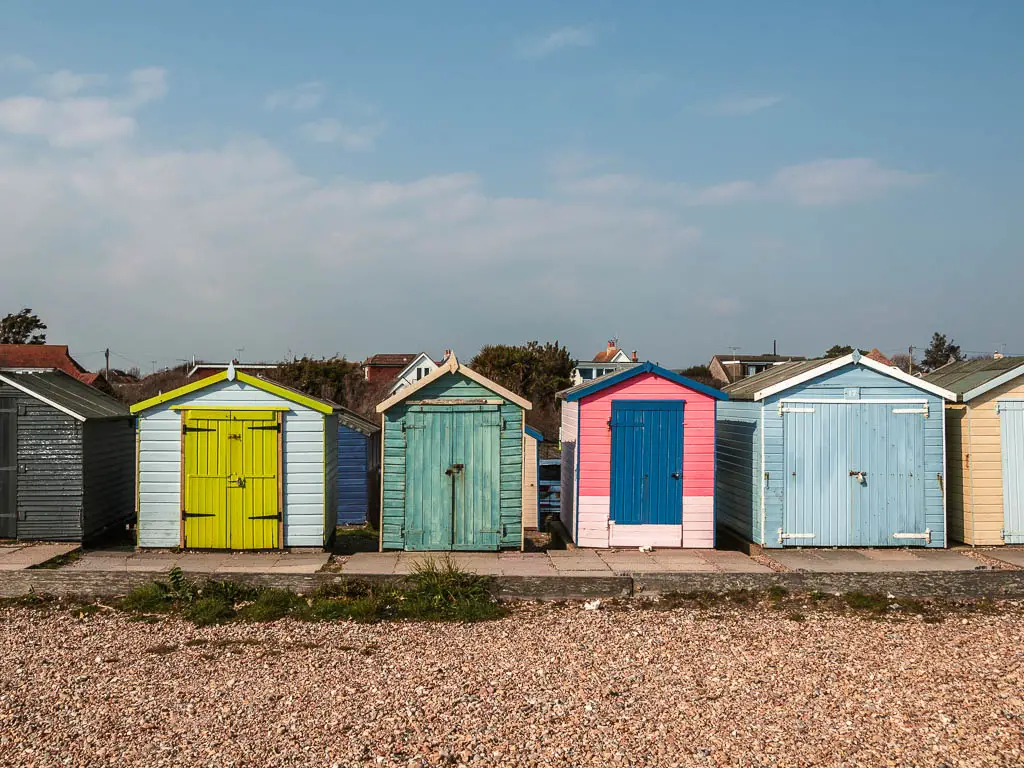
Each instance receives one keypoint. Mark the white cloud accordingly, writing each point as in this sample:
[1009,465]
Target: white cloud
[72,122]
[734,107]
[559,40]
[841,180]
[15,62]
[349,136]
[300,98]
[64,82]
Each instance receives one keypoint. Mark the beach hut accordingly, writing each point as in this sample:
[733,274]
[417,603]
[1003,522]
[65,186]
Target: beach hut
[985,455]
[833,452]
[452,464]
[638,460]
[531,473]
[67,455]
[233,461]
[358,469]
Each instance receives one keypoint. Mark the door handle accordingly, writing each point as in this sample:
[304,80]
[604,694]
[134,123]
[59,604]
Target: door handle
[676,475]
[855,473]
[454,468]
[238,482]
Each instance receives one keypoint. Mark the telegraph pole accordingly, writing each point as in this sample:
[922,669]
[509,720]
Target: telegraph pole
[106,367]
[910,365]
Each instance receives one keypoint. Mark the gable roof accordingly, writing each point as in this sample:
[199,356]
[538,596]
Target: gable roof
[67,394]
[608,355]
[781,377]
[596,385]
[452,365]
[414,363]
[971,378]
[389,360]
[282,391]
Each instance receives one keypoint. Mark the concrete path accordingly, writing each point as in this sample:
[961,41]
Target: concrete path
[577,562]
[1007,555]
[874,560]
[201,562]
[18,557]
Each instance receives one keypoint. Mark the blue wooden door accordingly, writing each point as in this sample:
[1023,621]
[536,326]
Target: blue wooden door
[428,489]
[352,475]
[475,475]
[816,439]
[887,484]
[854,474]
[647,462]
[1011,424]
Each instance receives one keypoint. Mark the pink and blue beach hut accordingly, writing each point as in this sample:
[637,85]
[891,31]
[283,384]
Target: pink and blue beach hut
[638,460]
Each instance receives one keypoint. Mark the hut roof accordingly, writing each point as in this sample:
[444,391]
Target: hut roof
[610,379]
[971,378]
[452,365]
[67,394]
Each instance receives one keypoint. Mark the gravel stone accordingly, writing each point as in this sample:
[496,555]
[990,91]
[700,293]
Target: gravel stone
[549,685]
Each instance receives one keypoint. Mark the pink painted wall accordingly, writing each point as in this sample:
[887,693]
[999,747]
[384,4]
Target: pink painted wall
[698,456]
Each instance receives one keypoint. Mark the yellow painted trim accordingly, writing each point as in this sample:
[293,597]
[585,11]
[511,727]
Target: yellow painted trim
[245,378]
[230,408]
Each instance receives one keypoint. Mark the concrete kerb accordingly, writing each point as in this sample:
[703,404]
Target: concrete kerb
[957,584]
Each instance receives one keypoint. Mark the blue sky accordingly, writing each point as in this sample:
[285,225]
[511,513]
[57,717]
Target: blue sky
[340,178]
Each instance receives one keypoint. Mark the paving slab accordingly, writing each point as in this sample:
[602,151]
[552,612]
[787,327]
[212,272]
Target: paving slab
[728,561]
[871,561]
[371,563]
[1011,556]
[18,557]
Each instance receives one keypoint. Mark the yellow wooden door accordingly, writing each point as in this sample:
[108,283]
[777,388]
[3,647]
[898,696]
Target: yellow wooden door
[254,513]
[204,512]
[231,479]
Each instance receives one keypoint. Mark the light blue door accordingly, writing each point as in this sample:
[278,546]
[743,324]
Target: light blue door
[887,486]
[1011,423]
[816,437]
[854,474]
[647,462]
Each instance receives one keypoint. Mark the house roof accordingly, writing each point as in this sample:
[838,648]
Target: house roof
[607,355]
[971,378]
[611,379]
[285,392]
[781,377]
[452,365]
[67,394]
[878,357]
[388,360]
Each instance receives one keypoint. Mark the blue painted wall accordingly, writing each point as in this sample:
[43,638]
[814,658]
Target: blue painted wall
[353,475]
[743,476]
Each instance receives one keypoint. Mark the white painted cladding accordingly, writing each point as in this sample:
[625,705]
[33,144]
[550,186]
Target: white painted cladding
[160,465]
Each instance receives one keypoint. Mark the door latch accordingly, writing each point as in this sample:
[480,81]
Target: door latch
[861,476]
[238,482]
[676,475]
[454,469]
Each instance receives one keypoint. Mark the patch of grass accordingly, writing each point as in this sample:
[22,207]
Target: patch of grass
[870,602]
[149,598]
[207,611]
[444,591]
[271,605]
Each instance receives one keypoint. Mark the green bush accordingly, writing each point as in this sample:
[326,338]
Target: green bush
[209,610]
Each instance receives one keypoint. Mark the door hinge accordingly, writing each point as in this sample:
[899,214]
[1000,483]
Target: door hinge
[793,409]
[185,429]
[921,409]
[186,515]
[786,536]
[265,517]
[268,428]
[927,535]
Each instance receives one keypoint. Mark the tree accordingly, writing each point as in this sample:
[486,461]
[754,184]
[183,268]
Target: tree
[838,350]
[904,363]
[533,370]
[22,328]
[940,352]
[335,379]
[699,373]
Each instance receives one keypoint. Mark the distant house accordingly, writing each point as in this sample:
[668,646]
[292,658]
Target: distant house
[202,370]
[730,368]
[400,369]
[611,359]
[29,358]
[418,368]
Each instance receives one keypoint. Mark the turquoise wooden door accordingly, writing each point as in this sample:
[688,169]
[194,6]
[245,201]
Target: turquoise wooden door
[476,477]
[647,462]
[1011,424]
[887,484]
[453,478]
[428,489]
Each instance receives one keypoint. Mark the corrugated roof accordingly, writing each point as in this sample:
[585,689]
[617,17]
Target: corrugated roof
[68,393]
[758,358]
[964,376]
[744,389]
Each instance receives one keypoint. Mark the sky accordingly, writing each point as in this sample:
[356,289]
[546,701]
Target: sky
[272,180]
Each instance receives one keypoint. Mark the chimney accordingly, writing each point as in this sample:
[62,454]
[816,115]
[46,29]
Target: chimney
[611,343]
[775,347]
[997,355]
[634,356]
[447,354]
